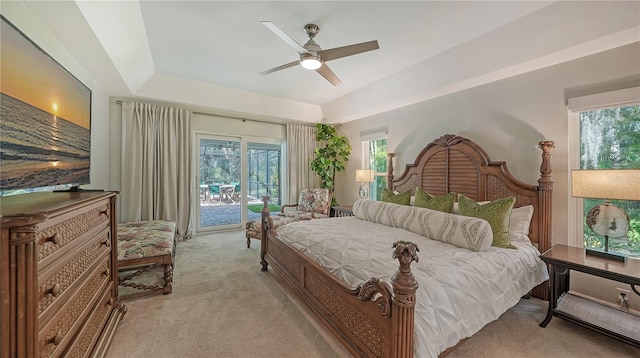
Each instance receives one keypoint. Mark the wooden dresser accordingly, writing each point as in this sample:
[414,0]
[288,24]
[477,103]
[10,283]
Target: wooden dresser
[58,288]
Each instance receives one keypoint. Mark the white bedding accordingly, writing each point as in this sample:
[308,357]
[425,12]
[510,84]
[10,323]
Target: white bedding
[460,290]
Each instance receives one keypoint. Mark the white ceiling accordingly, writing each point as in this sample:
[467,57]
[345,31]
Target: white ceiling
[208,54]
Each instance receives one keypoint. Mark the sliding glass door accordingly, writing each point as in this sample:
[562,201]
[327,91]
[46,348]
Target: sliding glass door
[263,161]
[233,174]
[220,177]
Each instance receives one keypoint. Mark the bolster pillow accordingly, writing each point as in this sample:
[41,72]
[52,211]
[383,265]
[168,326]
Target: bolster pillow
[461,231]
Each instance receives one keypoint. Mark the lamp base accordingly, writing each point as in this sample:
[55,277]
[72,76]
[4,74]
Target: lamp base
[606,254]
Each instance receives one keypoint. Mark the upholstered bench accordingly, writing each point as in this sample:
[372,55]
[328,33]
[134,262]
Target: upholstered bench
[142,246]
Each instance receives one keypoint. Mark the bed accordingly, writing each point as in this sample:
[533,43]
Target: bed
[374,315]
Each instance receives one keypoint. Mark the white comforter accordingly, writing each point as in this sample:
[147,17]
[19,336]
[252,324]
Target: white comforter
[460,290]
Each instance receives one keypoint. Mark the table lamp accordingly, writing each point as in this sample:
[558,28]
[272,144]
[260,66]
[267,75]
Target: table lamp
[364,176]
[606,219]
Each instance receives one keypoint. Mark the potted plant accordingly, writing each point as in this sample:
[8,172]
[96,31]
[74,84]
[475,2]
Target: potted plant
[331,155]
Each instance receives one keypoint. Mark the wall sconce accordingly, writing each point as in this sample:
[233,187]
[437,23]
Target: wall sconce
[606,219]
[364,176]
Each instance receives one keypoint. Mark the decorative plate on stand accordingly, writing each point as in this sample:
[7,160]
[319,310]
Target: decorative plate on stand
[608,220]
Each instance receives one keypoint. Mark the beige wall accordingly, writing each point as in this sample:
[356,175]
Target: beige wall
[507,118]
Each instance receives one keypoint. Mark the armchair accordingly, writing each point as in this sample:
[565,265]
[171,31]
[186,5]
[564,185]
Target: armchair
[312,204]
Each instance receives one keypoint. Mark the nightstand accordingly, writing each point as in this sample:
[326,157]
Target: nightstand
[607,319]
[341,210]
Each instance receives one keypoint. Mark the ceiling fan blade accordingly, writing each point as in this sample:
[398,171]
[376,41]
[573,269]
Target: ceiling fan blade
[326,72]
[286,38]
[282,67]
[344,51]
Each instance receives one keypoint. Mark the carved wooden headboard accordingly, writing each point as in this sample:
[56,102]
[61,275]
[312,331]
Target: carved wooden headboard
[456,164]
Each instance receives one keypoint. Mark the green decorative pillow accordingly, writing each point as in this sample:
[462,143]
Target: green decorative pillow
[497,213]
[402,198]
[442,203]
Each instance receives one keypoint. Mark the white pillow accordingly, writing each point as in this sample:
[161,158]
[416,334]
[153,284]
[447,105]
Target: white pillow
[519,238]
[520,220]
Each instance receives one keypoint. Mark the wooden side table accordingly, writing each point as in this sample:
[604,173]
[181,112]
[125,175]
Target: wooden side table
[616,323]
[342,210]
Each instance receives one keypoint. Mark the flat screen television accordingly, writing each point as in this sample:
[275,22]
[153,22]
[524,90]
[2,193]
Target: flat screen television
[45,119]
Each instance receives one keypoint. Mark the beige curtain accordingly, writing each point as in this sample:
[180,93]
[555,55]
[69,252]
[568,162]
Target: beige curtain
[301,144]
[156,151]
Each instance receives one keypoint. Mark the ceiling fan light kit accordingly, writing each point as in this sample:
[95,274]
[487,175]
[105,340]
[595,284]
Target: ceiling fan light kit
[310,62]
[312,56]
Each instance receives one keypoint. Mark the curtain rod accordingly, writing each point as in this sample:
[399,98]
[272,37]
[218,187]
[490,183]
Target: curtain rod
[231,117]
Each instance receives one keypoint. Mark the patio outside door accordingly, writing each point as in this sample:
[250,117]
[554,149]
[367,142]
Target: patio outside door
[220,178]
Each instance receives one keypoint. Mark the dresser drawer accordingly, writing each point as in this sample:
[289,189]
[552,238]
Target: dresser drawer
[85,340]
[58,282]
[65,229]
[56,333]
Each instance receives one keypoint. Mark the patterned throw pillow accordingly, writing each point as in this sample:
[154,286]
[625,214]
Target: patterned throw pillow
[402,198]
[497,213]
[442,203]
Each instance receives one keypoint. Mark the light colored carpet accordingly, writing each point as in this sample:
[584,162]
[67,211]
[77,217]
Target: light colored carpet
[223,306]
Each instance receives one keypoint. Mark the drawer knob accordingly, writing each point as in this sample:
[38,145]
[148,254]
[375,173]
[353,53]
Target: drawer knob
[56,339]
[53,239]
[105,273]
[54,291]
[106,243]
[104,212]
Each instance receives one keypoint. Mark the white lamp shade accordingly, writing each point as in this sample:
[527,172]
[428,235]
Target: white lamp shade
[365,175]
[619,184]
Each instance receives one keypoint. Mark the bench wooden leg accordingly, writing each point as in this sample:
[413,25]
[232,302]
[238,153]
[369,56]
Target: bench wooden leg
[130,270]
[168,279]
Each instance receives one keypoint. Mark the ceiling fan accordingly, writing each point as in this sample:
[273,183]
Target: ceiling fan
[312,56]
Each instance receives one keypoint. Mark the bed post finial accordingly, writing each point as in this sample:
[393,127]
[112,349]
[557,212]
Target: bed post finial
[390,169]
[265,200]
[545,167]
[406,252]
[404,298]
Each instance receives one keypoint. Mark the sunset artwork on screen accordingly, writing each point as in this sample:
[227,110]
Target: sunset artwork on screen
[45,119]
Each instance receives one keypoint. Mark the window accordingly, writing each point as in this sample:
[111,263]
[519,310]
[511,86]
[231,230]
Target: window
[374,156]
[609,138]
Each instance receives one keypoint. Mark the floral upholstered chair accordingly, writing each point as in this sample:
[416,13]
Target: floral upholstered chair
[312,204]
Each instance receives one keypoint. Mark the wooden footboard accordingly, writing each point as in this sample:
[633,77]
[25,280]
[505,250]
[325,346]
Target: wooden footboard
[373,320]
